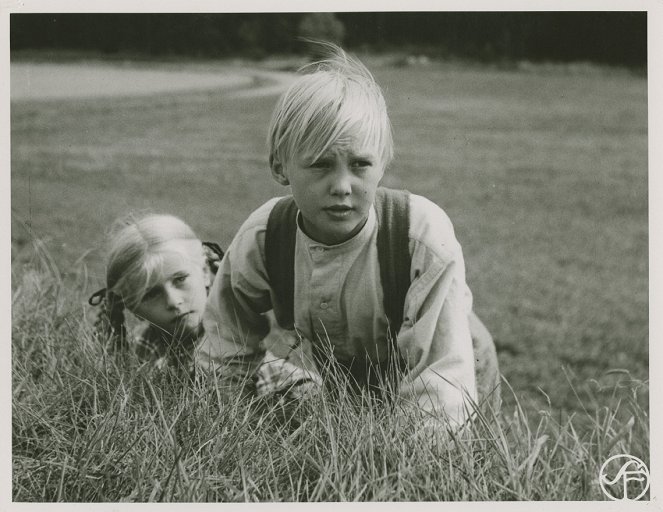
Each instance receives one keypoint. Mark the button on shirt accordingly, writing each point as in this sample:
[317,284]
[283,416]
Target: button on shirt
[333,286]
[338,300]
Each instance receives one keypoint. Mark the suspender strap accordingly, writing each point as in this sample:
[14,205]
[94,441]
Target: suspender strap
[392,207]
[280,241]
[393,214]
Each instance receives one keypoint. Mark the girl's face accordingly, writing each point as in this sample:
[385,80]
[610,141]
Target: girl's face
[177,301]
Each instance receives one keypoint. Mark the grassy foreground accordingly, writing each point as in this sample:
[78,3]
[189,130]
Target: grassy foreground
[88,426]
[543,172]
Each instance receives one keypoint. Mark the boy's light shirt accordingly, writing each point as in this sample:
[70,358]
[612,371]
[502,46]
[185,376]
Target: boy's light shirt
[338,294]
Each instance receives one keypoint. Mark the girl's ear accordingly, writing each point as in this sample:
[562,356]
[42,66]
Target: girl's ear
[277,171]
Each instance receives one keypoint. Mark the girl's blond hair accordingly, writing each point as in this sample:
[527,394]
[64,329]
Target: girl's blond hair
[136,249]
[334,98]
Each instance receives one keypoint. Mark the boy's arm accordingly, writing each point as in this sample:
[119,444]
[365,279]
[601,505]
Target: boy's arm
[435,336]
[234,318]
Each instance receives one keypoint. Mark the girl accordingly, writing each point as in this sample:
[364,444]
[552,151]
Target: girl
[160,271]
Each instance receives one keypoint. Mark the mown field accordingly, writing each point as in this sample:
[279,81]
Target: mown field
[542,170]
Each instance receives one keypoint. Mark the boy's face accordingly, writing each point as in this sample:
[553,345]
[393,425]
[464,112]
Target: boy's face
[177,301]
[335,191]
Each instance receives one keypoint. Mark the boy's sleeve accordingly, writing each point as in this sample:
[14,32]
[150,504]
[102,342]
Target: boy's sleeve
[435,335]
[234,319]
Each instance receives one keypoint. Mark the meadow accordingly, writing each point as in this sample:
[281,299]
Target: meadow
[542,169]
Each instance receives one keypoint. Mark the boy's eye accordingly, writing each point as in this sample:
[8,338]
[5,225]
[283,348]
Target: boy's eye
[319,164]
[361,163]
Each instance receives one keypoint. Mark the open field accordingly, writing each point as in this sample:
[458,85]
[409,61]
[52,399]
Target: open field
[543,172]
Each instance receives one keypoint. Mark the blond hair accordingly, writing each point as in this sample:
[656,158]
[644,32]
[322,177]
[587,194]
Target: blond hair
[334,98]
[136,249]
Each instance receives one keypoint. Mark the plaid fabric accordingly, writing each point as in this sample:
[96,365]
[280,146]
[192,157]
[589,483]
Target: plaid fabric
[161,350]
[278,375]
[149,345]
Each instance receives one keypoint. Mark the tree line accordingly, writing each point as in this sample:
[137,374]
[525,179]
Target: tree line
[616,38]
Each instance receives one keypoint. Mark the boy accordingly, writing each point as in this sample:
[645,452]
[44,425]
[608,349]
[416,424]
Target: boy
[330,141]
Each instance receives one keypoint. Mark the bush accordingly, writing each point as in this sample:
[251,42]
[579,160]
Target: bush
[322,26]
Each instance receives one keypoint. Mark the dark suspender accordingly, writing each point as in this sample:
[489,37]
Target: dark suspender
[393,213]
[280,259]
[392,207]
[393,216]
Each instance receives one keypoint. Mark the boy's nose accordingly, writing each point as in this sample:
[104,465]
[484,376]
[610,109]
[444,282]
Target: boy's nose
[341,181]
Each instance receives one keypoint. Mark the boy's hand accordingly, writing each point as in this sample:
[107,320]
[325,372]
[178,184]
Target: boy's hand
[304,389]
[291,406]
[278,375]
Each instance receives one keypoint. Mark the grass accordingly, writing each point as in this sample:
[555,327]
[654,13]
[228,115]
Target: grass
[544,174]
[89,426]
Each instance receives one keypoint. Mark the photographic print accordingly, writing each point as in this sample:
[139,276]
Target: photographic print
[329,256]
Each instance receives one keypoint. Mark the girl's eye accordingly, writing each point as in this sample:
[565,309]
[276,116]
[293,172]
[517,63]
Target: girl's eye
[151,294]
[179,279]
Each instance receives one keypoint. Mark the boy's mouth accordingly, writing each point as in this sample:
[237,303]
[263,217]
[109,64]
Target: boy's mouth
[339,210]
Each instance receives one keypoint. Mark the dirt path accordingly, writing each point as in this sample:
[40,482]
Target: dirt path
[35,81]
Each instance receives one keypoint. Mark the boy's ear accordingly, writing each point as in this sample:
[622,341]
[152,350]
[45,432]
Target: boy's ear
[277,171]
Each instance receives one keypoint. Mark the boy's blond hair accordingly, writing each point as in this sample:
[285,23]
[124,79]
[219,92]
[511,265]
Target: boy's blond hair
[334,98]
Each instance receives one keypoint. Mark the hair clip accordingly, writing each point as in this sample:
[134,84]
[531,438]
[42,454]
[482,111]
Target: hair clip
[97,297]
[216,248]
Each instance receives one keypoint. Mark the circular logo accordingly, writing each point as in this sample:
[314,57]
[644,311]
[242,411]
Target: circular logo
[624,477]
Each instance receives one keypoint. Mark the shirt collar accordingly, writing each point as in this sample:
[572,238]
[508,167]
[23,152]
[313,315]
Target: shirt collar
[358,240]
